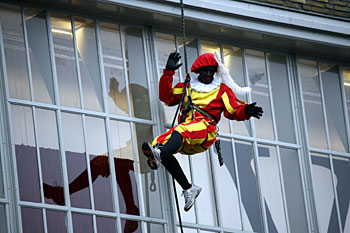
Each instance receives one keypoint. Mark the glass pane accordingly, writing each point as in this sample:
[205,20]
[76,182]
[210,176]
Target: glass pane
[39,52]
[32,220]
[188,216]
[281,98]
[346,77]
[137,73]
[131,226]
[14,49]
[271,189]
[124,168]
[251,213]
[50,156]
[227,187]
[76,160]
[26,156]
[210,47]
[156,228]
[313,103]
[342,174]
[260,92]
[114,69]
[2,194]
[334,107]
[165,46]
[106,225]
[192,54]
[149,178]
[99,165]
[293,190]
[206,201]
[82,223]
[56,221]
[88,63]
[187,230]
[324,195]
[3,222]
[61,29]
[233,62]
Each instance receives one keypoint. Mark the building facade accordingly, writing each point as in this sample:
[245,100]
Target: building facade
[79,95]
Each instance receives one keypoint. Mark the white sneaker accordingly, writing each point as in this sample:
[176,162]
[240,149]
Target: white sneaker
[190,196]
[153,155]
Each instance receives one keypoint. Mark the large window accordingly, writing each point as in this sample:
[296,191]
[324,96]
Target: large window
[79,106]
[325,93]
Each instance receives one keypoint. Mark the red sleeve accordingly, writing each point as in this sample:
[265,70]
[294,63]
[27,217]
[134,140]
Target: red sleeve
[233,110]
[170,96]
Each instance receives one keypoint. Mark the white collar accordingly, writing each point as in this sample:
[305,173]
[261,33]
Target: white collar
[202,87]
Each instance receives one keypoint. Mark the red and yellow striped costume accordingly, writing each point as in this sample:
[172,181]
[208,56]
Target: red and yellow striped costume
[200,133]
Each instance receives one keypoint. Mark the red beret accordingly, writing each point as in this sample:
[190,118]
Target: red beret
[206,59]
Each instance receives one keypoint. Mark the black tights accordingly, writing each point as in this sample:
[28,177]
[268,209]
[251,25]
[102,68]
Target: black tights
[170,162]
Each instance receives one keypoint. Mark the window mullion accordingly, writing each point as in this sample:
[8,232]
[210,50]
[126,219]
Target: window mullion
[335,193]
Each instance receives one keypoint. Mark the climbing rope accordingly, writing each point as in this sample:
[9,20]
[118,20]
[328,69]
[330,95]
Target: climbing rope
[187,79]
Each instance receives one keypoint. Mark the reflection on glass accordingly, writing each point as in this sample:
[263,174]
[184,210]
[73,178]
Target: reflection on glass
[124,168]
[32,220]
[324,195]
[271,189]
[105,225]
[157,228]
[233,62]
[187,230]
[313,103]
[61,29]
[137,72]
[14,48]
[149,178]
[185,165]
[192,54]
[130,226]
[342,174]
[281,98]
[40,62]
[1,179]
[99,165]
[334,107]
[76,160]
[82,223]
[210,47]
[260,92]
[88,63]
[49,154]
[206,202]
[293,190]
[3,222]
[346,78]
[113,68]
[251,214]
[166,45]
[227,188]
[26,156]
[56,221]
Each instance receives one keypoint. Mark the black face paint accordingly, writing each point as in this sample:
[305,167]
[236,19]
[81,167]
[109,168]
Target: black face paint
[206,74]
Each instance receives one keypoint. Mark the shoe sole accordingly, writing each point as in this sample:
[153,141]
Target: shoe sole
[148,152]
[193,201]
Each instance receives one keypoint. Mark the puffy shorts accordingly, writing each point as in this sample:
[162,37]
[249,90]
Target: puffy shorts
[198,136]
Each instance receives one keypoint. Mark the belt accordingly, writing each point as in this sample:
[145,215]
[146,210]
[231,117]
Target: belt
[204,113]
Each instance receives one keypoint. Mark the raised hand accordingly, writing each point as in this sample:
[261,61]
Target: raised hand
[253,110]
[173,59]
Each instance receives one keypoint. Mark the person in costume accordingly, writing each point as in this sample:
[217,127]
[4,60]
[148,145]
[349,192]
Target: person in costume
[211,93]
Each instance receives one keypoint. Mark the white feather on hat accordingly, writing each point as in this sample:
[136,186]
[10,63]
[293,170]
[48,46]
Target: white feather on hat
[224,74]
